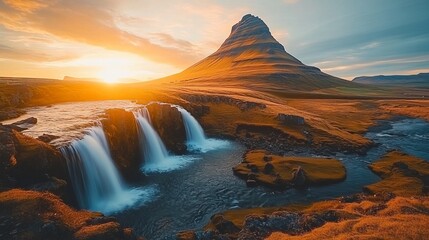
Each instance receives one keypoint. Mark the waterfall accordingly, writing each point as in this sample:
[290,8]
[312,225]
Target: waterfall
[96,181]
[156,156]
[196,139]
[194,132]
[151,145]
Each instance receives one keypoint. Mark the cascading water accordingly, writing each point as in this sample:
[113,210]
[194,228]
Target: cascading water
[196,139]
[156,157]
[194,132]
[152,147]
[96,181]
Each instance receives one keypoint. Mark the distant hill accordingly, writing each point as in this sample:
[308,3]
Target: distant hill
[253,58]
[410,81]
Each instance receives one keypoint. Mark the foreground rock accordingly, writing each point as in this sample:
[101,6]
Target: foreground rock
[27,162]
[401,174]
[284,172]
[35,215]
[120,128]
[168,123]
[377,216]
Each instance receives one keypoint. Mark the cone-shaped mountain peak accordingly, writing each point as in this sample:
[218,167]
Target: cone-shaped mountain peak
[251,54]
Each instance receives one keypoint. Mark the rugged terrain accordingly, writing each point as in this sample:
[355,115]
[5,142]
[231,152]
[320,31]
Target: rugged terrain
[250,90]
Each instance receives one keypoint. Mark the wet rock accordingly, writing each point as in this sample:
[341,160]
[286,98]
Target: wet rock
[251,183]
[288,119]
[268,158]
[168,123]
[23,124]
[223,225]
[30,120]
[268,168]
[299,178]
[47,138]
[120,128]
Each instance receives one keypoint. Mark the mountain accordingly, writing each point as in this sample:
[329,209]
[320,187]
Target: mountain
[253,58]
[410,81]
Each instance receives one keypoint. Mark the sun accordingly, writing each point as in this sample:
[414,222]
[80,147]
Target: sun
[111,75]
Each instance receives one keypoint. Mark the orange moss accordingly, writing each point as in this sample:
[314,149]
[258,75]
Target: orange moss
[318,170]
[402,174]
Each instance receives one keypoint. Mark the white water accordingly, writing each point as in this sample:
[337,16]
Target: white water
[156,157]
[95,179]
[196,139]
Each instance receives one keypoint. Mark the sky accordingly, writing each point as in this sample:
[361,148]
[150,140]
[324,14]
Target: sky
[143,40]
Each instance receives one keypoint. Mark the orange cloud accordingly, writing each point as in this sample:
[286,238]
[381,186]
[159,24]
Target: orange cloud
[88,23]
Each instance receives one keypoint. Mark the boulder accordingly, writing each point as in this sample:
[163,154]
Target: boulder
[251,183]
[299,177]
[23,124]
[168,123]
[47,138]
[268,168]
[121,131]
[223,225]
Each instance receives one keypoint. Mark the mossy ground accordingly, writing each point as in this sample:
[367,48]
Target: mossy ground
[318,170]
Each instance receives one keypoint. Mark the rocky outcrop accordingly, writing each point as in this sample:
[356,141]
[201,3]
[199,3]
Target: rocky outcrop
[168,123]
[259,167]
[28,163]
[288,119]
[401,174]
[121,131]
[377,216]
[242,105]
[35,215]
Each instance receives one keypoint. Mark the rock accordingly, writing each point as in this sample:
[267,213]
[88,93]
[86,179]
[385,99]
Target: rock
[186,235]
[23,124]
[268,158]
[35,215]
[30,120]
[121,132]
[47,138]
[223,225]
[28,163]
[268,168]
[53,185]
[288,119]
[168,123]
[241,104]
[251,183]
[35,160]
[299,178]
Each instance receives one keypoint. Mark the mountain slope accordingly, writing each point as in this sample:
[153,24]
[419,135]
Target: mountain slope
[251,57]
[410,81]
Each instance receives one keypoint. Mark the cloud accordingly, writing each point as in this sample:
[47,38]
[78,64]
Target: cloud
[87,22]
[7,52]
[169,40]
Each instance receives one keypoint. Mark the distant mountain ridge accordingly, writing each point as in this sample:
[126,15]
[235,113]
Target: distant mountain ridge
[252,56]
[417,80]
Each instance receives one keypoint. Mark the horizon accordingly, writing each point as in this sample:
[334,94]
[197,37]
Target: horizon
[146,41]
